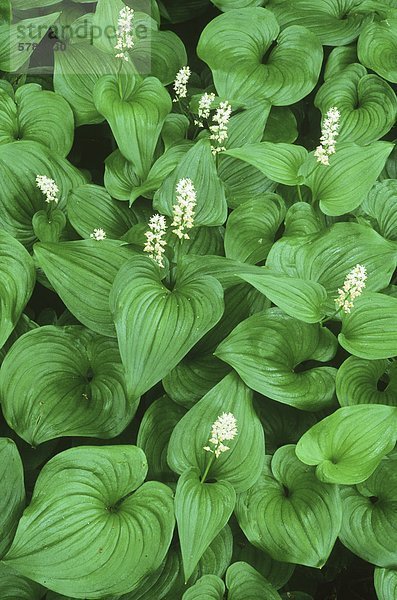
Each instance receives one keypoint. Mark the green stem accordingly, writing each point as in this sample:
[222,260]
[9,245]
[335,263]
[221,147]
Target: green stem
[208,468]
[119,80]
[331,317]
[298,187]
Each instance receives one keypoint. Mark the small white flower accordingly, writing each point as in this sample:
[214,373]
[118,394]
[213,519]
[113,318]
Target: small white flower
[204,108]
[219,127]
[98,235]
[48,187]
[180,83]
[183,209]
[224,428]
[330,131]
[125,40]
[352,288]
[155,244]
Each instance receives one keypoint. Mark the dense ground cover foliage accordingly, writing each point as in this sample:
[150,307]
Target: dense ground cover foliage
[198,325]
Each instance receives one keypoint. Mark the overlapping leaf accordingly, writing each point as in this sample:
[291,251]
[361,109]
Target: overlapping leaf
[208,587]
[12,500]
[377,46]
[245,583]
[361,381]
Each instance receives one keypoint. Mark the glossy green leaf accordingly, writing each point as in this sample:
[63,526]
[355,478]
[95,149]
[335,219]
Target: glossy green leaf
[242,464]
[199,166]
[377,46]
[37,115]
[385,581]
[218,555]
[16,587]
[118,538]
[380,205]
[370,330]
[242,37]
[135,117]
[266,351]
[339,59]
[361,381]
[17,283]
[208,587]
[64,381]
[289,513]
[201,510]
[142,307]
[341,186]
[367,104]
[368,525]
[348,445]
[281,126]
[242,181]
[12,500]
[245,583]
[279,162]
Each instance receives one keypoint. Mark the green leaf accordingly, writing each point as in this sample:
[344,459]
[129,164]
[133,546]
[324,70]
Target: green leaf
[361,381]
[48,227]
[154,434]
[198,165]
[118,538]
[340,187]
[380,205]
[16,587]
[208,587]
[289,513]
[377,46]
[368,525]
[136,117]
[64,381]
[281,126]
[367,104]
[70,265]
[38,115]
[201,510]
[266,351]
[242,464]
[252,227]
[385,581]
[242,37]
[339,59]
[245,583]
[12,500]
[348,445]
[17,283]
[218,555]
[225,270]
[90,206]
[279,162]
[143,307]
[303,300]
[242,181]
[370,330]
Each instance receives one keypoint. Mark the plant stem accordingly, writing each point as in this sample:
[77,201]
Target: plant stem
[208,468]
[298,187]
[331,317]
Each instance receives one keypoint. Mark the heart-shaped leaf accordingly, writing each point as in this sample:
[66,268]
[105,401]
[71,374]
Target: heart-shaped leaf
[208,587]
[370,330]
[289,513]
[12,501]
[70,265]
[266,351]
[385,581]
[16,587]
[48,227]
[361,381]
[376,48]
[245,583]
[242,464]
[143,307]
[348,445]
[380,205]
[64,381]
[201,510]
[120,530]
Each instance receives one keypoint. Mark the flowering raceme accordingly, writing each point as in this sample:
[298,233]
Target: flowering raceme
[352,288]
[156,243]
[48,187]
[125,39]
[219,127]
[183,209]
[224,428]
[180,83]
[204,108]
[330,131]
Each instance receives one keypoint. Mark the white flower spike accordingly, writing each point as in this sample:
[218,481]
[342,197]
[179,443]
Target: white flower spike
[183,209]
[352,288]
[125,40]
[224,428]
[329,131]
[156,243]
[219,127]
[180,83]
[48,187]
[204,108]
[98,235]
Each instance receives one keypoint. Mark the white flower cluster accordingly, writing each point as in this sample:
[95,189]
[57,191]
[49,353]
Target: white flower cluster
[180,83]
[183,209]
[329,131]
[204,108]
[156,243]
[352,288]
[224,428]
[125,40]
[48,187]
[219,127]
[98,235]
